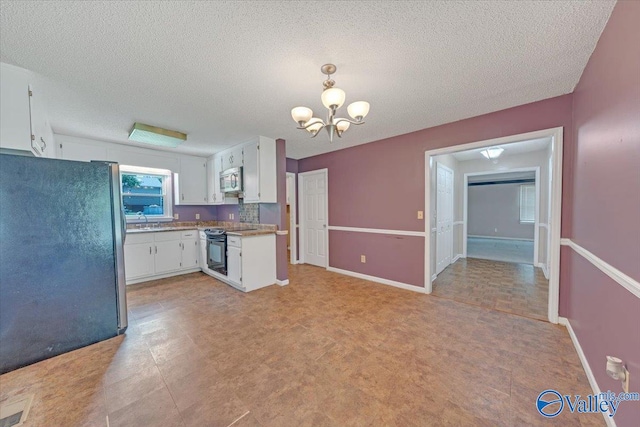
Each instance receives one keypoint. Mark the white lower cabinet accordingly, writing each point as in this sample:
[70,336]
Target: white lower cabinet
[251,261]
[157,254]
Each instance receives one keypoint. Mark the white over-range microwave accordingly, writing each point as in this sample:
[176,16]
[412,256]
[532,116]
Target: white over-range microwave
[231,180]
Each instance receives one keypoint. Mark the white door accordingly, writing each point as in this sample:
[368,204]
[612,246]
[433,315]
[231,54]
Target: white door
[234,264]
[314,221]
[444,217]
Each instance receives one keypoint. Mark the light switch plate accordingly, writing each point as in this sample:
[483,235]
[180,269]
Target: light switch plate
[363,259]
[420,214]
[197,216]
[176,216]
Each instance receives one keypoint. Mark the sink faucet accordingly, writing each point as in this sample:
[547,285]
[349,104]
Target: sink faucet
[146,220]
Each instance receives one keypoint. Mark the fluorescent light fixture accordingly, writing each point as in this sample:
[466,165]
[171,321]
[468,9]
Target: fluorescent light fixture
[156,136]
[492,153]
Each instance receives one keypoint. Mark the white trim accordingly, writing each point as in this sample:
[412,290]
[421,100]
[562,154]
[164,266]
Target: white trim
[301,176]
[434,277]
[433,230]
[585,365]
[162,276]
[293,210]
[501,238]
[282,232]
[393,283]
[458,222]
[377,231]
[555,206]
[282,282]
[543,225]
[622,279]
[544,269]
[456,258]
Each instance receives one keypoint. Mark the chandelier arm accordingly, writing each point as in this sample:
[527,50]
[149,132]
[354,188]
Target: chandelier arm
[314,134]
[353,122]
[311,124]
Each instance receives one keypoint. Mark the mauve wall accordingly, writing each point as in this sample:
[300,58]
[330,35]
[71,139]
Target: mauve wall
[188,213]
[381,184]
[606,204]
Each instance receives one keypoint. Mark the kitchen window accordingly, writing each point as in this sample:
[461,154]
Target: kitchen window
[527,204]
[146,191]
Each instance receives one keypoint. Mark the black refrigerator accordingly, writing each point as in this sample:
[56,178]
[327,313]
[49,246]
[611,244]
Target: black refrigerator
[62,283]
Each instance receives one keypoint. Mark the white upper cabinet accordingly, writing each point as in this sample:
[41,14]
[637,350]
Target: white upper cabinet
[191,182]
[214,166]
[232,158]
[260,172]
[23,118]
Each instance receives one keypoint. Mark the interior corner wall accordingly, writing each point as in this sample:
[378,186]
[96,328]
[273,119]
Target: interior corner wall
[606,205]
[380,185]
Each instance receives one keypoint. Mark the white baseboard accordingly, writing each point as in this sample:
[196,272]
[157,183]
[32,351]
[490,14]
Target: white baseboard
[585,365]
[434,277]
[378,280]
[282,282]
[455,258]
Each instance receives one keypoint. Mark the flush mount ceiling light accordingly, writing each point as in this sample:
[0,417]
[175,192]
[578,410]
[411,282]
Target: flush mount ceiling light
[156,136]
[332,98]
[492,153]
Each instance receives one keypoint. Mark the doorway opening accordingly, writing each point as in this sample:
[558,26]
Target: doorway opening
[313,194]
[493,238]
[292,227]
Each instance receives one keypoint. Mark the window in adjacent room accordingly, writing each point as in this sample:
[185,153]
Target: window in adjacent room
[146,191]
[527,204]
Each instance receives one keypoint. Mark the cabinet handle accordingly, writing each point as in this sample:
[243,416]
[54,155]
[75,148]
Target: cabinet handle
[156,249]
[44,144]
[182,196]
[149,250]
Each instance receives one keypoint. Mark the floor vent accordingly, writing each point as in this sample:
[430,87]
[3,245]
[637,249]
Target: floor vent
[13,413]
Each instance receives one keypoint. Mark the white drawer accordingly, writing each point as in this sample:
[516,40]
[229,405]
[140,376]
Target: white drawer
[235,241]
[166,236]
[133,238]
[189,234]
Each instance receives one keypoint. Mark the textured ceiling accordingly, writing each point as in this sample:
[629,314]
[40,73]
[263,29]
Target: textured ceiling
[223,71]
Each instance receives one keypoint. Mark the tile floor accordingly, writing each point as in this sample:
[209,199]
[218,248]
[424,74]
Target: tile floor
[327,350]
[512,288]
[520,251]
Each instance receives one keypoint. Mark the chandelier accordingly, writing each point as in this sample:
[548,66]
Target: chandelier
[332,99]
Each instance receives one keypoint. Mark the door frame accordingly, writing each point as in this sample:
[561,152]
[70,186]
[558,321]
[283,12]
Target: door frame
[453,198]
[301,221]
[293,211]
[556,135]
[465,207]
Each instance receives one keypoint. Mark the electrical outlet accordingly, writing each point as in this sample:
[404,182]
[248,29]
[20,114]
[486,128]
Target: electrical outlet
[231,216]
[363,259]
[420,215]
[495,230]
[197,216]
[176,216]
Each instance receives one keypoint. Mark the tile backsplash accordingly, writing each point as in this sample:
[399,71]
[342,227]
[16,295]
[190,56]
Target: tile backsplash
[249,212]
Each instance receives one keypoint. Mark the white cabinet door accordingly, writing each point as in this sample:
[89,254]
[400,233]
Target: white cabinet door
[191,188]
[15,114]
[168,256]
[234,265]
[41,134]
[251,170]
[214,166]
[232,158]
[190,249]
[260,171]
[138,260]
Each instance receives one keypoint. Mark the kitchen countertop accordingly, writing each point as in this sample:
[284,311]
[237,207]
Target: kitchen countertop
[243,232]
